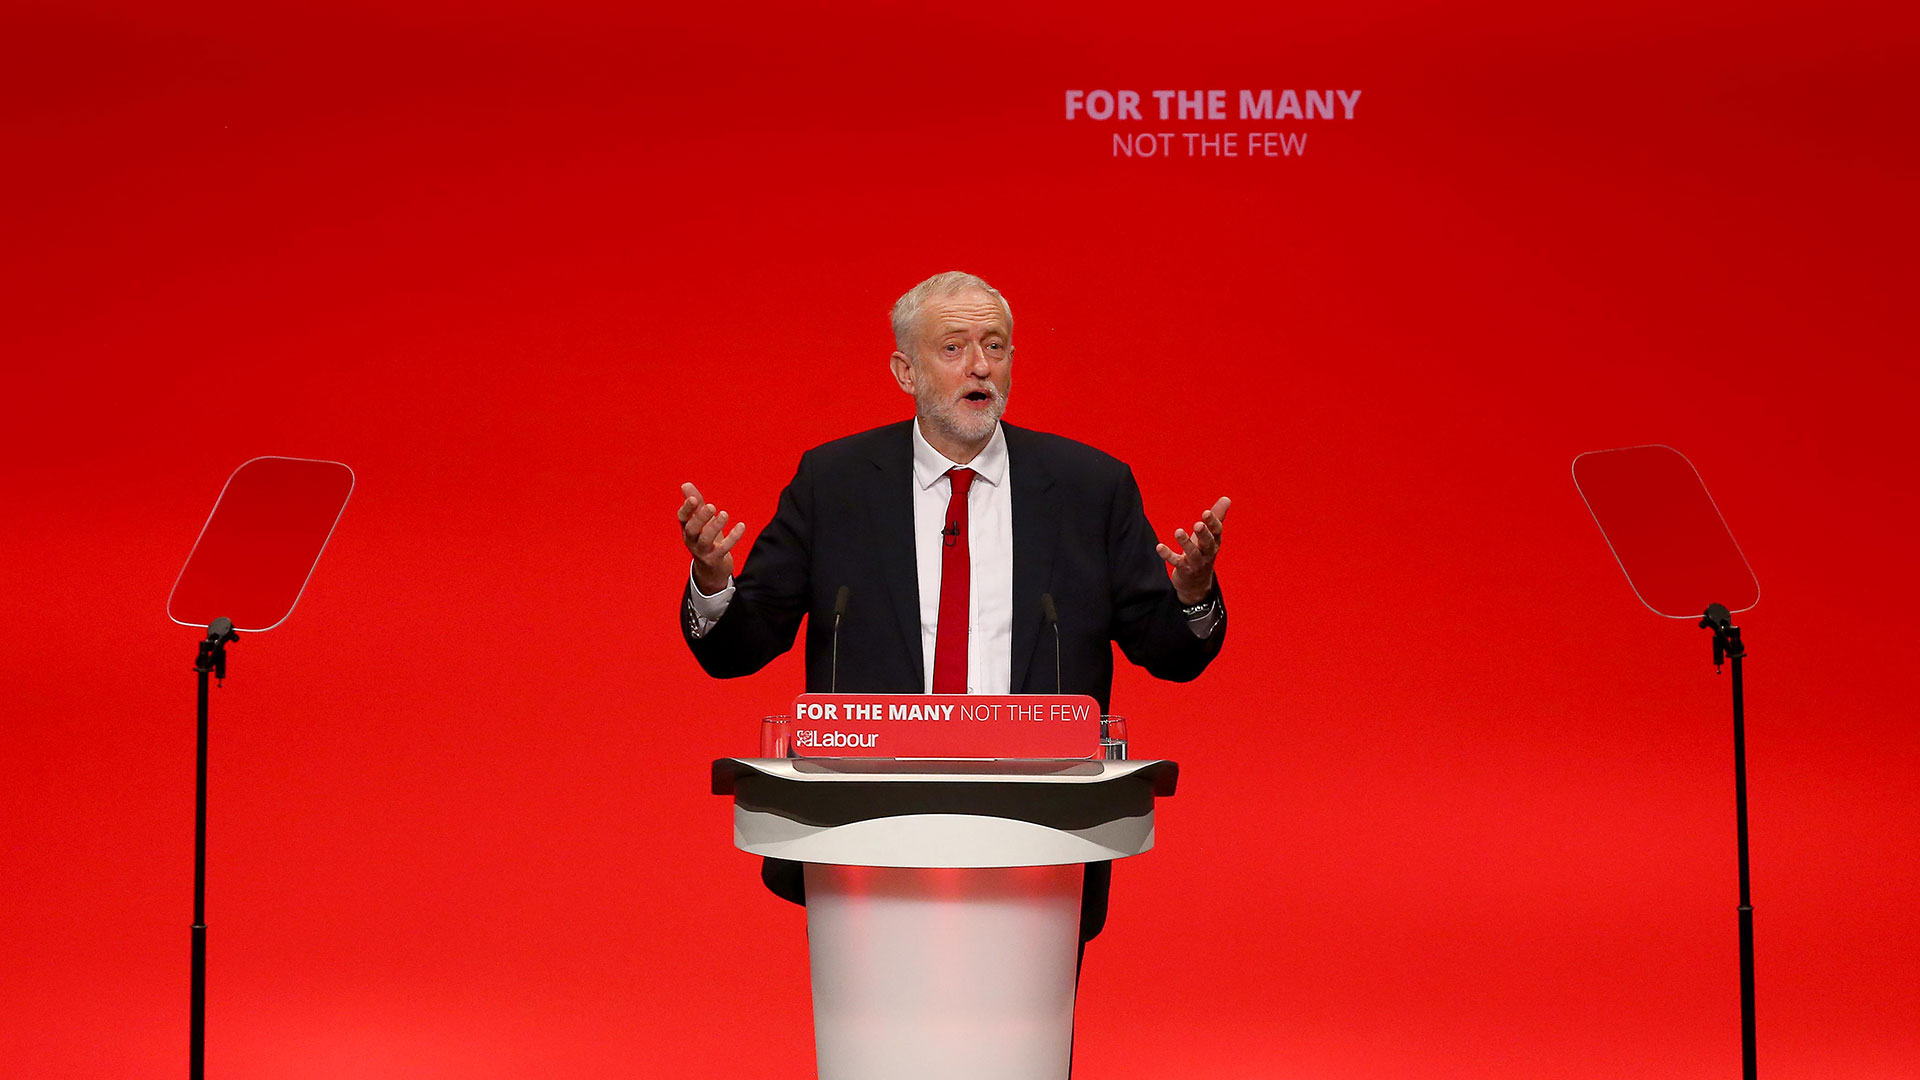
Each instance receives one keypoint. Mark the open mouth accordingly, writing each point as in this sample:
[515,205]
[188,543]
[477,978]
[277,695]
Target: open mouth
[978,397]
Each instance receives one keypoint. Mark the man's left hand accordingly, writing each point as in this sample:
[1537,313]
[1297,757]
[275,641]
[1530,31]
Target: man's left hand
[1192,561]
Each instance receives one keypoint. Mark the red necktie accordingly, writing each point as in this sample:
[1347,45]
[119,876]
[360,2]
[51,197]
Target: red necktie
[956,574]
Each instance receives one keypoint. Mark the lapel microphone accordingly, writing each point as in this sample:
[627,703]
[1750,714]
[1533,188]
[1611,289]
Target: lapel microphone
[839,612]
[952,533]
[1053,620]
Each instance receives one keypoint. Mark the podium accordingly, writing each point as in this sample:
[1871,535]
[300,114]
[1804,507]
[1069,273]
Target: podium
[943,899]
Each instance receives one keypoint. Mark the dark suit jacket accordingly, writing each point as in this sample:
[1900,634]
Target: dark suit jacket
[1079,533]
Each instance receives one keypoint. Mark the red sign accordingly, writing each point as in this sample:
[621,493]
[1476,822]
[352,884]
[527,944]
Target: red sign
[946,726]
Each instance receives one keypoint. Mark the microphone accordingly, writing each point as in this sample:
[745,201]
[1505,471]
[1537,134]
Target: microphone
[951,532]
[839,612]
[1053,620]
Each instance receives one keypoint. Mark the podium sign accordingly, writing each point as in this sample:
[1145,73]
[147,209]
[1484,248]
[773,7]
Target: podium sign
[946,725]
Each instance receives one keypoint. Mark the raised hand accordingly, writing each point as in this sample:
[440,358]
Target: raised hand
[1192,562]
[708,540]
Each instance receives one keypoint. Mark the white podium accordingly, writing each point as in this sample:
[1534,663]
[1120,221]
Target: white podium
[943,899]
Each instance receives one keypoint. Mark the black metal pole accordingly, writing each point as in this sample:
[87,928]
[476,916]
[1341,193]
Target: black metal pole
[1735,653]
[211,660]
[197,1025]
[1728,647]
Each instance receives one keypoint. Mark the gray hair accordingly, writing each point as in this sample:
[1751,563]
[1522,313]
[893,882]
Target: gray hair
[906,310]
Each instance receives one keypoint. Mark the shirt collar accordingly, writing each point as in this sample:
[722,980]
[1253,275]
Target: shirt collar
[930,465]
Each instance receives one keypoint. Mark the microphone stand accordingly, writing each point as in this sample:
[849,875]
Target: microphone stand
[1052,615]
[212,660]
[839,612]
[1728,648]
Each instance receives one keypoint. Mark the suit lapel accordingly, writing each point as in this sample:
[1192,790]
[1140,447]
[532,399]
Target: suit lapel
[1036,531]
[891,507]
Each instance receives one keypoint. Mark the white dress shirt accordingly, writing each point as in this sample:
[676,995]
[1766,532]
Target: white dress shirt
[989,559]
[990,565]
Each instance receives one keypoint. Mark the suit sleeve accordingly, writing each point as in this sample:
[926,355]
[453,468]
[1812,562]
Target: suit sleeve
[770,594]
[1149,624]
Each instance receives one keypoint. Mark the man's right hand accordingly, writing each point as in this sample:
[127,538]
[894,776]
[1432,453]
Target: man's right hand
[708,540]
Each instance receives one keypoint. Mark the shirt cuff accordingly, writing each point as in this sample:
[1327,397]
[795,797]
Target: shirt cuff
[704,610]
[1202,627]
[1208,618]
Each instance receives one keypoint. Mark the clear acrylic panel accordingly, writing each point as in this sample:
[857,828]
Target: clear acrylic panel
[260,544]
[1665,530]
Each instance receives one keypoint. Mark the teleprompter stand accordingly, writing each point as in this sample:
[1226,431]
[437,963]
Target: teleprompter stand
[1677,552]
[212,660]
[1728,649]
[246,572]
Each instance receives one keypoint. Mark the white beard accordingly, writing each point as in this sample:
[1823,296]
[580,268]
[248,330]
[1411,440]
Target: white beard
[958,422]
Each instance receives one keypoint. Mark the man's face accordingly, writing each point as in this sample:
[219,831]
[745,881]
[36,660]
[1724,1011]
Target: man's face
[961,367]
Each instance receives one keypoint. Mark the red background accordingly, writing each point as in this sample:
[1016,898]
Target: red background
[1453,804]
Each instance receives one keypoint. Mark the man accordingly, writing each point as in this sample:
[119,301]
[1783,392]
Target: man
[947,530]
